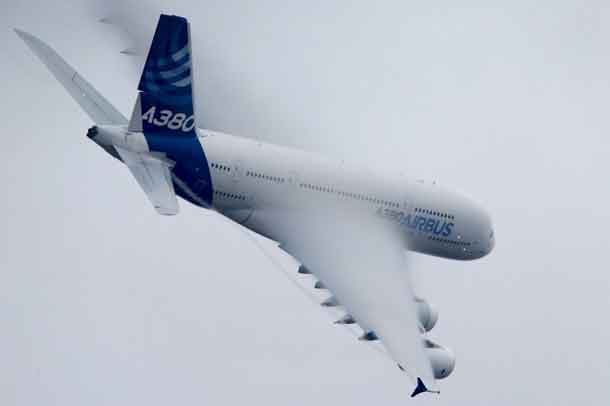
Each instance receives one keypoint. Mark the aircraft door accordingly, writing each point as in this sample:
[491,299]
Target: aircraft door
[242,209]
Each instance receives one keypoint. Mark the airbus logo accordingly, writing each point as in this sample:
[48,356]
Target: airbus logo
[418,222]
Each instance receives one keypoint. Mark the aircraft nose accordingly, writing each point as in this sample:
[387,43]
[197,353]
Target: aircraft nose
[492,241]
[487,231]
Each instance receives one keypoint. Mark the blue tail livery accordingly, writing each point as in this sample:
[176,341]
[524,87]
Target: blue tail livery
[166,92]
[164,109]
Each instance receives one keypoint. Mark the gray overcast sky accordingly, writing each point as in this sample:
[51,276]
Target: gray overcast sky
[104,302]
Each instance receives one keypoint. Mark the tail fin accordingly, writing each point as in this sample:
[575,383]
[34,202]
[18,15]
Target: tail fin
[165,102]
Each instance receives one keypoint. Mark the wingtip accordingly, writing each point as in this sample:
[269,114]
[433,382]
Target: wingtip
[25,36]
[421,388]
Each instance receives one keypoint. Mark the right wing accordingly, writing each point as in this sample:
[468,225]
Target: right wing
[154,177]
[362,262]
[93,103]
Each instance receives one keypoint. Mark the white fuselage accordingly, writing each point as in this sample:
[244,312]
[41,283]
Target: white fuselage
[250,176]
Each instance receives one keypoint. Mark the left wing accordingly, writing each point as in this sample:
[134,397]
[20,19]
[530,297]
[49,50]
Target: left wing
[154,177]
[362,262]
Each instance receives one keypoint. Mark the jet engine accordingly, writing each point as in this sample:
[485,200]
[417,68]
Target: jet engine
[441,359]
[426,313]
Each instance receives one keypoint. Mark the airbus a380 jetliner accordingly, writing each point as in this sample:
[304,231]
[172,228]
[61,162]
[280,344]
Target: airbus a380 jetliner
[348,226]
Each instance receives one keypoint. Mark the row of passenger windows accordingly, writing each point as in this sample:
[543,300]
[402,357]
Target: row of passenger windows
[453,242]
[225,195]
[350,195]
[276,179]
[221,167]
[279,179]
[434,213]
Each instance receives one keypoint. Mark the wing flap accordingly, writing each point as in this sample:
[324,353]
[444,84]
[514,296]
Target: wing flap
[154,177]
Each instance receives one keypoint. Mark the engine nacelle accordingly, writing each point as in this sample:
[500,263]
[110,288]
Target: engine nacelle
[441,359]
[426,313]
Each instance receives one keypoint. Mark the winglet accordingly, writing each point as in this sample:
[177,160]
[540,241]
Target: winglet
[420,388]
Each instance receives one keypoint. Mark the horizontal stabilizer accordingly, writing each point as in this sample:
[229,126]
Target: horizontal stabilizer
[154,177]
[89,99]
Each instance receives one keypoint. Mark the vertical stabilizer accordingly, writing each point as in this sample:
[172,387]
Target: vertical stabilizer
[165,101]
[164,110]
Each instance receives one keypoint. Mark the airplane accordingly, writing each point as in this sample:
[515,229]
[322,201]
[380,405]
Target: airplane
[347,225]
